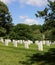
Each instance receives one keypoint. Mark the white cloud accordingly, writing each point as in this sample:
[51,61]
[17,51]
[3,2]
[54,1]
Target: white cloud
[29,2]
[23,17]
[8,1]
[27,20]
[34,2]
[5,1]
[30,21]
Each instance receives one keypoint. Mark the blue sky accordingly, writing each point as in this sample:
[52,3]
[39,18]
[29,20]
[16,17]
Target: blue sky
[23,11]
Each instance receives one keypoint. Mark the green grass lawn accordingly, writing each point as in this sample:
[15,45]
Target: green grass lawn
[9,55]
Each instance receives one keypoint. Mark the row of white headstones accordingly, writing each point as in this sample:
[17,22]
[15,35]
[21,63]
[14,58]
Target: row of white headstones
[27,43]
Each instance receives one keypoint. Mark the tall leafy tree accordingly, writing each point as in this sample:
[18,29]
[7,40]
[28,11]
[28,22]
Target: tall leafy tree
[49,16]
[5,17]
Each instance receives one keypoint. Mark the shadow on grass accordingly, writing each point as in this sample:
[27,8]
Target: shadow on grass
[47,58]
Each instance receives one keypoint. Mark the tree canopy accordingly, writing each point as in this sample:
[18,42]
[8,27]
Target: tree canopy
[5,17]
[49,15]
[49,20]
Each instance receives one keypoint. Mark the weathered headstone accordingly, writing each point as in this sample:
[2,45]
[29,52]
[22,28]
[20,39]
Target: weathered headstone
[29,42]
[20,41]
[1,40]
[40,46]
[36,42]
[15,43]
[7,41]
[26,44]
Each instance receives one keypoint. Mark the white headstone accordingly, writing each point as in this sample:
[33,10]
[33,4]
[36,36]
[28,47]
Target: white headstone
[26,44]
[20,41]
[7,42]
[40,46]
[15,43]
[30,42]
[36,42]
[1,39]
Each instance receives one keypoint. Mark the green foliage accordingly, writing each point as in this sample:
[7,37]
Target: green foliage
[21,31]
[13,35]
[6,37]
[49,16]
[39,37]
[50,35]
[36,32]
[42,13]
[3,7]
[4,14]
[5,17]
[2,31]
[36,27]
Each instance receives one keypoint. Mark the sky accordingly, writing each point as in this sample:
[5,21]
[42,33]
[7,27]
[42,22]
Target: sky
[23,11]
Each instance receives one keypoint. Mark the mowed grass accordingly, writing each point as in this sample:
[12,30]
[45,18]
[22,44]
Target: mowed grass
[9,55]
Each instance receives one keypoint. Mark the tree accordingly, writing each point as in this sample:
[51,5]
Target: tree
[49,16]
[2,31]
[5,17]
[36,27]
[50,35]
[21,31]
